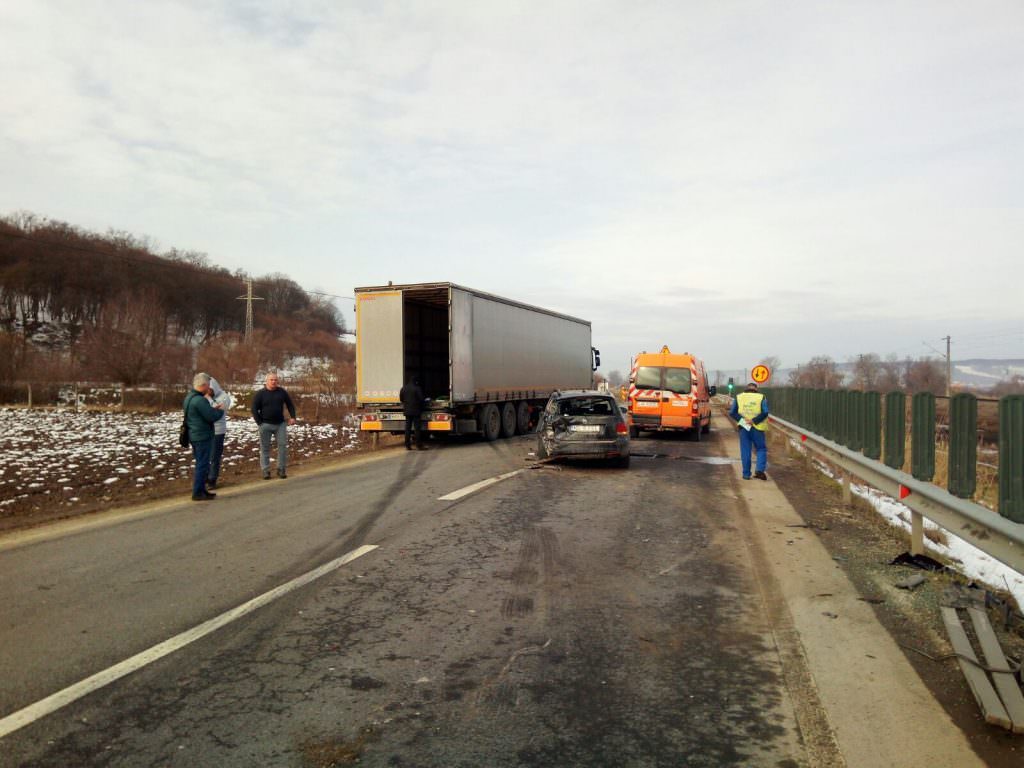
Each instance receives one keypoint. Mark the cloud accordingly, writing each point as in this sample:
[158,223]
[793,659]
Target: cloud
[736,177]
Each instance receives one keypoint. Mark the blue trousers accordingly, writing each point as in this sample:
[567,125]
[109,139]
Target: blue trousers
[216,454]
[755,438]
[201,451]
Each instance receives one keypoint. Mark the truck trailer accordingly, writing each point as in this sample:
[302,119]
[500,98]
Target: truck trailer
[485,363]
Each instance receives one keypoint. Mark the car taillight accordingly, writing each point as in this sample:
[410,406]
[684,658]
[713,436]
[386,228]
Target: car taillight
[371,417]
[621,429]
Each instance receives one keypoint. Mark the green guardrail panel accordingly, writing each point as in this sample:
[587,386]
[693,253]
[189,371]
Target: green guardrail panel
[856,415]
[821,423]
[895,429]
[872,429]
[1011,457]
[963,445]
[922,436]
[835,397]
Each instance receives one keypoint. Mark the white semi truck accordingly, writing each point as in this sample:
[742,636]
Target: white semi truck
[485,363]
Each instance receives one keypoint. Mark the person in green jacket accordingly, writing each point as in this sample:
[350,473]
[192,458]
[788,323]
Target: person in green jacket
[200,416]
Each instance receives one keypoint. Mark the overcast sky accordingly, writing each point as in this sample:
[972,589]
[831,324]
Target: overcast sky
[737,179]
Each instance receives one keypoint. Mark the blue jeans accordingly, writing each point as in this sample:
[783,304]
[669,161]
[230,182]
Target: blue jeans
[216,453]
[280,433]
[753,437]
[201,451]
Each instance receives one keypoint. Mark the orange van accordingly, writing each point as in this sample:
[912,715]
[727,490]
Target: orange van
[669,392]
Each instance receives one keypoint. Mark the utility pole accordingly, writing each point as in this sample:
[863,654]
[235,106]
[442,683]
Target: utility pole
[949,368]
[248,299]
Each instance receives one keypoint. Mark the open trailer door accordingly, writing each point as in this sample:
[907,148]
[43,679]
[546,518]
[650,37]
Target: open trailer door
[379,327]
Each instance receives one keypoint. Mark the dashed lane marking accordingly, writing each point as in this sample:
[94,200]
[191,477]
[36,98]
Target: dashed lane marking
[72,693]
[456,495]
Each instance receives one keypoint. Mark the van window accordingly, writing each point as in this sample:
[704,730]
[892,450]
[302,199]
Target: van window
[648,377]
[678,380]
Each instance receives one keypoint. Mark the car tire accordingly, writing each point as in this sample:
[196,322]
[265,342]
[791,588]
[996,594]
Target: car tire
[490,422]
[706,429]
[634,433]
[522,417]
[696,433]
[508,420]
[621,463]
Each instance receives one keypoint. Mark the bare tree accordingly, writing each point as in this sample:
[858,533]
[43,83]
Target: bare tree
[890,376]
[925,374]
[867,371]
[819,372]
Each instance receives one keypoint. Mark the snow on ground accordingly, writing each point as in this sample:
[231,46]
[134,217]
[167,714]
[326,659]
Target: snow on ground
[59,456]
[964,557]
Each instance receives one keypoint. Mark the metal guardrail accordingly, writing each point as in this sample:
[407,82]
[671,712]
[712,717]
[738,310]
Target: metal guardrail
[993,534]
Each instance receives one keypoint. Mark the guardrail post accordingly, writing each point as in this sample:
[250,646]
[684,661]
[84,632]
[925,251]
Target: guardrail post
[895,429]
[1011,457]
[916,533]
[873,425]
[922,436]
[963,445]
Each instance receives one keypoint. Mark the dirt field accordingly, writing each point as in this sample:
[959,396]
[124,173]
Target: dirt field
[57,463]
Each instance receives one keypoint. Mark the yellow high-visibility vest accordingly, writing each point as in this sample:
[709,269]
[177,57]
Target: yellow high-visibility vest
[749,406]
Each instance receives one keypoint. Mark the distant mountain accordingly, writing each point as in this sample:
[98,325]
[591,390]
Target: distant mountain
[984,373]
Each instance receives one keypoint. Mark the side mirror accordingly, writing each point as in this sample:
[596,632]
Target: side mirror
[712,391]
[597,357]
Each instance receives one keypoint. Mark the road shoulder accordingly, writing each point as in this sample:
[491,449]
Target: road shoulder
[875,702]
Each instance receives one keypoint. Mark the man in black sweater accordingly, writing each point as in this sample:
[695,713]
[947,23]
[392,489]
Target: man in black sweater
[412,407]
[268,406]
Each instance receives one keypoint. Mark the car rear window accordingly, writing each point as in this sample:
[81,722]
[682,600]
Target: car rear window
[586,406]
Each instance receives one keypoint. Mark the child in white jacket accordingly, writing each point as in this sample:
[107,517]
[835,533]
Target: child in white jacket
[223,400]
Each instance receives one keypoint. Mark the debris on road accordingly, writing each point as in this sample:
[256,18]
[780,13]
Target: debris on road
[911,582]
[923,562]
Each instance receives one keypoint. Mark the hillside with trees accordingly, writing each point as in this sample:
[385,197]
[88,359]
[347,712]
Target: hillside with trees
[76,304]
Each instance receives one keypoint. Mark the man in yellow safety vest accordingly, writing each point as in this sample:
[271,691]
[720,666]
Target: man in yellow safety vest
[750,411]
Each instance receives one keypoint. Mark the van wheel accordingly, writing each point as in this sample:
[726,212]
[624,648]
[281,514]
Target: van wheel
[490,422]
[522,417]
[634,433]
[706,429]
[508,420]
[696,432]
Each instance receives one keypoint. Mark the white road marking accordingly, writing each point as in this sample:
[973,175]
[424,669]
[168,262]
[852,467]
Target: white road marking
[455,495]
[56,701]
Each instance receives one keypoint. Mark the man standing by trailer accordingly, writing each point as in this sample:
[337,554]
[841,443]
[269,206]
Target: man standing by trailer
[412,408]
[750,411]
[268,410]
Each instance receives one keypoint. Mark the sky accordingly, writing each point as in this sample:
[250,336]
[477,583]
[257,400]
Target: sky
[732,179]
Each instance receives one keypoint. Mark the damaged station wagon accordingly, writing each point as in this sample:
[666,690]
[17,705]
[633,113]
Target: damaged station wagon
[583,424]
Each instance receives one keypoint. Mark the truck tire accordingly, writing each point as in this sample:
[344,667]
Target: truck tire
[522,417]
[490,422]
[508,420]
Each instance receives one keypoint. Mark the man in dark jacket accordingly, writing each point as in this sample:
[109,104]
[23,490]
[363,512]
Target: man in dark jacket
[200,416]
[412,406]
[268,406]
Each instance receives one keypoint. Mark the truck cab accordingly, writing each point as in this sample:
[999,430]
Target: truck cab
[669,392]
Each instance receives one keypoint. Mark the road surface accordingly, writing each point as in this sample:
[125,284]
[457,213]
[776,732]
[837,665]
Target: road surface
[562,616]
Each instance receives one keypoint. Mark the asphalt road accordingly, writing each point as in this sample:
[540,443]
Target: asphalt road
[571,616]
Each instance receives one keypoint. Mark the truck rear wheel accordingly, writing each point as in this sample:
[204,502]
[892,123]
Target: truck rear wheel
[490,422]
[508,420]
[522,417]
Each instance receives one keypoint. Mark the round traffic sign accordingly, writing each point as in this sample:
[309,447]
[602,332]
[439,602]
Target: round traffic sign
[761,373]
